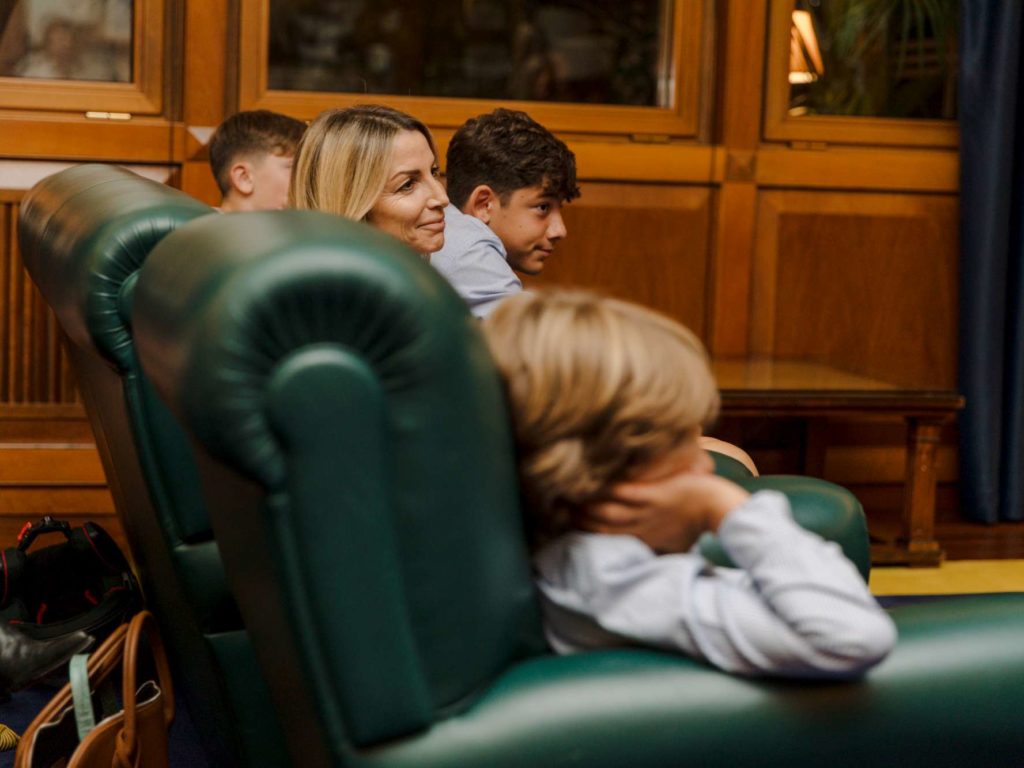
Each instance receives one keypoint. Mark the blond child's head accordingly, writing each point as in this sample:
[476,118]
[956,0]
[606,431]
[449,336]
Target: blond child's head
[600,390]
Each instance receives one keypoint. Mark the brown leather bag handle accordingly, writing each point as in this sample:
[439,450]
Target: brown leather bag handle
[102,662]
[127,752]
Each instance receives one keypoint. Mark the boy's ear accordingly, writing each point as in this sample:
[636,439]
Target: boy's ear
[481,203]
[240,176]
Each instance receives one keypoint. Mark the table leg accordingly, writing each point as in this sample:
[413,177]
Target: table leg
[919,493]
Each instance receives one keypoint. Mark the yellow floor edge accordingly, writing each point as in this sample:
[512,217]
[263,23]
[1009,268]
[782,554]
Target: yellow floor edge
[952,577]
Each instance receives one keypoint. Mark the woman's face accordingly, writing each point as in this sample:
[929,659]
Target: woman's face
[411,207]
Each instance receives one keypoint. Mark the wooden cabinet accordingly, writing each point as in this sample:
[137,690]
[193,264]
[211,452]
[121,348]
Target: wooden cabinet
[770,231]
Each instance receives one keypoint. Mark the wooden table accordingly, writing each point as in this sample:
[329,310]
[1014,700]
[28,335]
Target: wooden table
[786,388]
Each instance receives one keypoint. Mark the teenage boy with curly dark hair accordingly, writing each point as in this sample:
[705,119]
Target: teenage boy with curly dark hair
[508,177]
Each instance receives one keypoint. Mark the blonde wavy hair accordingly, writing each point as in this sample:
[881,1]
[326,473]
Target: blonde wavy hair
[599,389]
[342,162]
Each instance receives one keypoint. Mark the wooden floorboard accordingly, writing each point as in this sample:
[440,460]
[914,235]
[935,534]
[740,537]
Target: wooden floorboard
[961,539]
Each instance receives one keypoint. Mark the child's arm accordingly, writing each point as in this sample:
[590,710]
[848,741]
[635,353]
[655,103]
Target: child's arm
[668,515]
[730,450]
[795,607]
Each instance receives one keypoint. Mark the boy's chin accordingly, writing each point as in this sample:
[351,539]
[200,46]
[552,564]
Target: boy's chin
[530,266]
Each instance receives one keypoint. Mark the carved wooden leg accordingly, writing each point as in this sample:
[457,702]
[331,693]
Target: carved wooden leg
[919,493]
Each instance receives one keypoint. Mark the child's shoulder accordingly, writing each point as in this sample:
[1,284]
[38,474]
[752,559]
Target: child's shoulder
[580,559]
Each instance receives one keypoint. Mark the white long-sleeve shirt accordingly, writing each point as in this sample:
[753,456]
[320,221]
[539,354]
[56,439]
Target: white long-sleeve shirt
[794,605]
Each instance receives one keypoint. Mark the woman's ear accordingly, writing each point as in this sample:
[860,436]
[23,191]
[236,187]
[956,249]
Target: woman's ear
[481,203]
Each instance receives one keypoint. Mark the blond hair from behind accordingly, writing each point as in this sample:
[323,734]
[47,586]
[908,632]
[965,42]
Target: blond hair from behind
[599,389]
[343,159]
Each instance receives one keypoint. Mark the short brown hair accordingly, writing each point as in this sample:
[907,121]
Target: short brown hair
[599,389]
[258,132]
[343,159]
[508,150]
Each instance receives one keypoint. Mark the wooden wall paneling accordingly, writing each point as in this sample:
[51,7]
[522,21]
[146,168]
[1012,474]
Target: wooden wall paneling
[34,369]
[739,104]
[875,168]
[37,136]
[48,458]
[209,44]
[864,282]
[643,242]
[49,466]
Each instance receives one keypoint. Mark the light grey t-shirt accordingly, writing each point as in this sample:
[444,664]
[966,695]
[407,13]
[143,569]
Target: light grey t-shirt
[794,606]
[475,262]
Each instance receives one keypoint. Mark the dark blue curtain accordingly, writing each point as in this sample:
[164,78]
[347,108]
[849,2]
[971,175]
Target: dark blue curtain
[991,255]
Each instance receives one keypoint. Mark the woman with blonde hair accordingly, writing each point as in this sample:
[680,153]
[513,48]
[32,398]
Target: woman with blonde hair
[375,164]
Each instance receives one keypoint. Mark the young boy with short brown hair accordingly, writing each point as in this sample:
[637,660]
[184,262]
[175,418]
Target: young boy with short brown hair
[251,156]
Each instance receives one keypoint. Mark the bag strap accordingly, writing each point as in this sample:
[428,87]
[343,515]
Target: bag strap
[78,674]
[127,739]
[102,662]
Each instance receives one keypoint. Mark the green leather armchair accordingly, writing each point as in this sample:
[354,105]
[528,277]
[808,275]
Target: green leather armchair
[357,463]
[83,234]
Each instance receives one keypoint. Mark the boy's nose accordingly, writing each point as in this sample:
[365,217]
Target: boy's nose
[556,226]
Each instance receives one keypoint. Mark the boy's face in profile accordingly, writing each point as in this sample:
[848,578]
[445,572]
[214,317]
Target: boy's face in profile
[271,176]
[529,225]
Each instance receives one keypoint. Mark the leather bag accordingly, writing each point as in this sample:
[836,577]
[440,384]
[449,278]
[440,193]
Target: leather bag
[130,734]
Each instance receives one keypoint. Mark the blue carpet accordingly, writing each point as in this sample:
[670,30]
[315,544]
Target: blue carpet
[891,601]
[183,747]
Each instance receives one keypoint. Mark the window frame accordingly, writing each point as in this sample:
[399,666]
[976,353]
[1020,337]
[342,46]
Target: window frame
[779,125]
[686,37]
[143,95]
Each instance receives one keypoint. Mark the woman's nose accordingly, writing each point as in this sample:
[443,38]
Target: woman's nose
[439,197]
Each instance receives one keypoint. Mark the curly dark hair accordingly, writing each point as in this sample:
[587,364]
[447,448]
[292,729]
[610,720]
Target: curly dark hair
[508,150]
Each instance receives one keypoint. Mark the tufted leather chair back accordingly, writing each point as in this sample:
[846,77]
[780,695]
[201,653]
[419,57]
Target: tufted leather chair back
[356,445]
[83,234]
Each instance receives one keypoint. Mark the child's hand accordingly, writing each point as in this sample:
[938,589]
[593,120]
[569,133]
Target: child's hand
[669,514]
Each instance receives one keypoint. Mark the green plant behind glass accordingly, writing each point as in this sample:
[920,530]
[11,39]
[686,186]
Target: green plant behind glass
[882,58]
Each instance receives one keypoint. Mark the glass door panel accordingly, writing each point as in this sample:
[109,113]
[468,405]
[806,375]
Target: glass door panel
[592,65]
[875,71]
[82,55]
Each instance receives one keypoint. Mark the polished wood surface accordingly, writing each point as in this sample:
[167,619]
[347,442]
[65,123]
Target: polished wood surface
[866,282]
[603,250]
[769,388]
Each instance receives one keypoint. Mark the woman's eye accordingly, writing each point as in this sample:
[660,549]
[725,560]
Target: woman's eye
[435,172]
[406,186]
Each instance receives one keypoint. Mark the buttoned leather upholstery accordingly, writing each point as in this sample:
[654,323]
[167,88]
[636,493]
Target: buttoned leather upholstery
[358,467]
[83,235]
